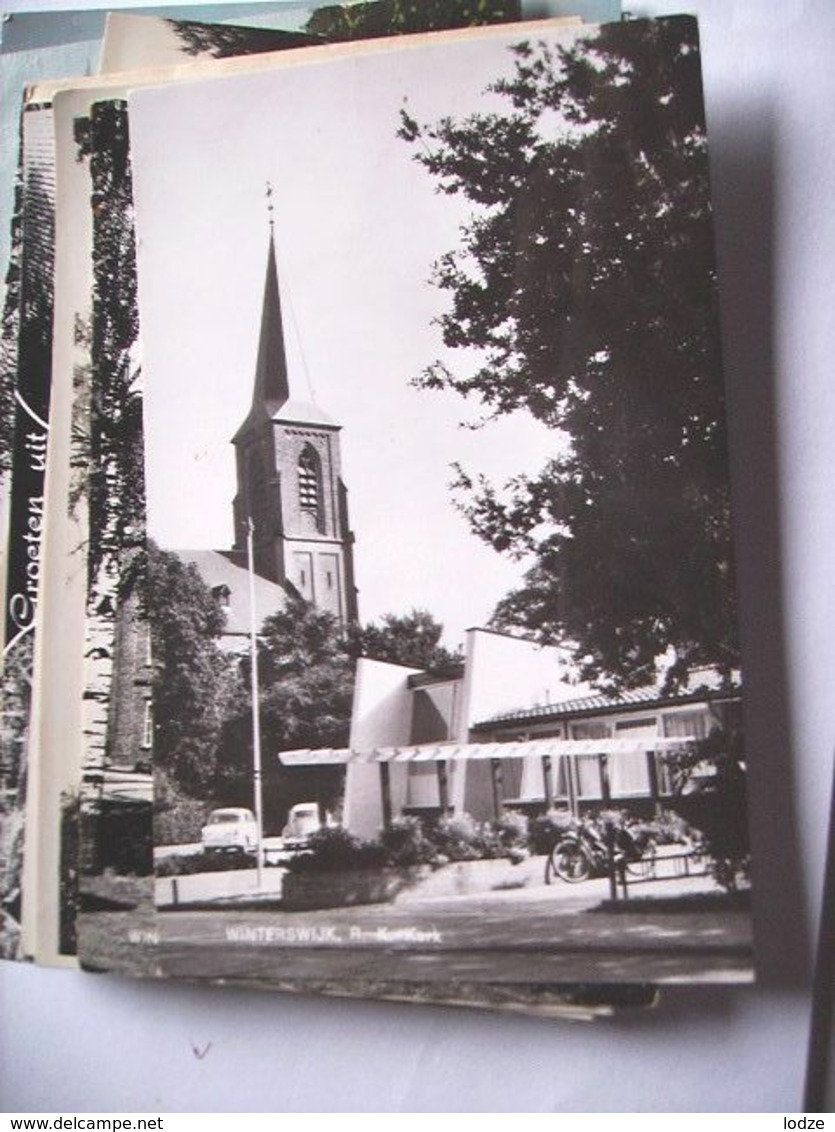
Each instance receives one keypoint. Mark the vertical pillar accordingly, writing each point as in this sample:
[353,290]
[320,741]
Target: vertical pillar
[548,781]
[652,774]
[385,791]
[611,860]
[571,785]
[320,806]
[605,785]
[496,779]
[443,788]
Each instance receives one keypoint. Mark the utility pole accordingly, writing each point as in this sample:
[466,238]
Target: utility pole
[256,715]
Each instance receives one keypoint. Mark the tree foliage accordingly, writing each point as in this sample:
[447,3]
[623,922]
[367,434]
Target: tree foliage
[306,677]
[338,23]
[115,481]
[402,17]
[306,662]
[716,805]
[192,680]
[10,323]
[222,41]
[202,697]
[585,279]
[305,680]
[412,639]
[306,666]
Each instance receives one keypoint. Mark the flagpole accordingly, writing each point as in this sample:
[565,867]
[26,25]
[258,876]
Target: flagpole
[256,720]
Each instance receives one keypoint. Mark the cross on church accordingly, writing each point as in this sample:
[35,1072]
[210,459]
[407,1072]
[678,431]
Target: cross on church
[270,205]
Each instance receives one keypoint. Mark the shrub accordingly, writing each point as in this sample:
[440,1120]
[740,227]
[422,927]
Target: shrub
[188,864]
[617,819]
[717,812]
[406,844]
[178,817]
[462,838]
[332,849]
[714,804]
[121,838]
[454,837]
[732,872]
[546,830]
[174,866]
[512,829]
[669,829]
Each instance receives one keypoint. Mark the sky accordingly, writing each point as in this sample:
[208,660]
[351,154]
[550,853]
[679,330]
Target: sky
[358,224]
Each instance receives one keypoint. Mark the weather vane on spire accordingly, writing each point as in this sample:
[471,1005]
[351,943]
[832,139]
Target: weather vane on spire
[270,207]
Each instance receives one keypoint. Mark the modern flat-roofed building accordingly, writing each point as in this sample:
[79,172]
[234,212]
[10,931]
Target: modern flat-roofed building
[506,729]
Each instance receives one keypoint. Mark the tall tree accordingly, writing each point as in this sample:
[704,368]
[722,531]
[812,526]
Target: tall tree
[585,278]
[306,677]
[192,679]
[306,664]
[411,639]
[306,684]
[115,478]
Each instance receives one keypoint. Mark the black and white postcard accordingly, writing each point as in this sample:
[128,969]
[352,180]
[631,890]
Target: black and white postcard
[117,927]
[444,670]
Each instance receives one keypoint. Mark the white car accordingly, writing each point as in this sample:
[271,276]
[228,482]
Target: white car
[302,820]
[230,830]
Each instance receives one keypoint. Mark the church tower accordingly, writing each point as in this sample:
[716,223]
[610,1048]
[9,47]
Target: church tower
[289,479]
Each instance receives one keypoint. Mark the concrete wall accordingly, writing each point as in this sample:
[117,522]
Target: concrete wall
[381,717]
[436,711]
[505,673]
[501,674]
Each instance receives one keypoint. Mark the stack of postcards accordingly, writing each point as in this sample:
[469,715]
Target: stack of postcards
[369,604]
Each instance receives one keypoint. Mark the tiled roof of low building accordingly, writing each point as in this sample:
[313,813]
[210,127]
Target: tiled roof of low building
[605,701]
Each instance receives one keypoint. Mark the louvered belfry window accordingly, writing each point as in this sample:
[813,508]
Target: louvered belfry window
[309,481]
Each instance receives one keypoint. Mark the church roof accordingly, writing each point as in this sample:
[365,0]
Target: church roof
[225,570]
[271,397]
[304,412]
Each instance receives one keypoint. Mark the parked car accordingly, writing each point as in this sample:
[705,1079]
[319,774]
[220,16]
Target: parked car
[230,830]
[302,820]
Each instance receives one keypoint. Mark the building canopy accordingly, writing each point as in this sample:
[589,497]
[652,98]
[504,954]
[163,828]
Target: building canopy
[442,752]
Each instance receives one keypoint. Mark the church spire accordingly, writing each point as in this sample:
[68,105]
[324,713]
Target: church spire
[272,387]
[272,396]
[290,496]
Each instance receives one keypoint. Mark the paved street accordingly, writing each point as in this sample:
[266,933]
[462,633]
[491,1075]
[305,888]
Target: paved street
[559,933]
